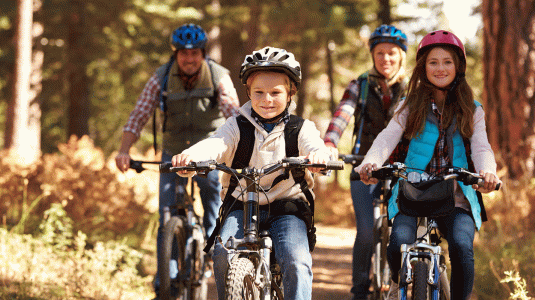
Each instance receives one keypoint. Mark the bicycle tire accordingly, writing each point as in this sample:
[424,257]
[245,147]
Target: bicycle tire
[380,268]
[198,283]
[419,285]
[173,244]
[240,278]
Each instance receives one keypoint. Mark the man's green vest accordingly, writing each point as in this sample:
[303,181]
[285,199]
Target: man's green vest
[191,116]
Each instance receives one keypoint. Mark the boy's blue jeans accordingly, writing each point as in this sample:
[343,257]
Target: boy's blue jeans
[290,243]
[363,196]
[459,230]
[209,189]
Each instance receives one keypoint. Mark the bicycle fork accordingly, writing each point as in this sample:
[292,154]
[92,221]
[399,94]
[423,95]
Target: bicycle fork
[420,250]
[252,240]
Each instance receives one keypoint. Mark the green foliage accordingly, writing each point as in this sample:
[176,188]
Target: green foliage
[56,229]
[34,267]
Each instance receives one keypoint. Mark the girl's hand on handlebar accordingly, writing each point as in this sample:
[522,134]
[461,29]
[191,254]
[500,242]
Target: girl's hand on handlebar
[490,182]
[317,158]
[181,160]
[365,172]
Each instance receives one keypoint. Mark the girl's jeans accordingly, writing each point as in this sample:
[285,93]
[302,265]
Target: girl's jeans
[363,196]
[459,230]
[290,243]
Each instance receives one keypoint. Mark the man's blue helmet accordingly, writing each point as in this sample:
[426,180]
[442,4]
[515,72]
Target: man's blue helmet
[188,36]
[388,34]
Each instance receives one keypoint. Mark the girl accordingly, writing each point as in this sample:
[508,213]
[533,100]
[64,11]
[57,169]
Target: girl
[435,119]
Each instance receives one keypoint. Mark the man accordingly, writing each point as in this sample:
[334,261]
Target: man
[196,95]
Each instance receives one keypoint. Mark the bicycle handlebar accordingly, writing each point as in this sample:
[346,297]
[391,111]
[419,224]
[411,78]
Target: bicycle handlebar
[138,164]
[287,163]
[399,170]
[353,159]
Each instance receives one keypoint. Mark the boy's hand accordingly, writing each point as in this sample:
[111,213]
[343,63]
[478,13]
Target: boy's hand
[318,158]
[181,160]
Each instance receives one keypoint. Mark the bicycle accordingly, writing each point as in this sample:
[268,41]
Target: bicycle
[380,270]
[253,272]
[423,264]
[183,268]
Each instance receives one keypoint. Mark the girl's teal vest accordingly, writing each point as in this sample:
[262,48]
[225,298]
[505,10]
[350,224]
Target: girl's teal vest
[419,155]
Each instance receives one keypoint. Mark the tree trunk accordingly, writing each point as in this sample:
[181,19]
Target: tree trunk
[384,15]
[305,70]
[79,104]
[23,118]
[509,70]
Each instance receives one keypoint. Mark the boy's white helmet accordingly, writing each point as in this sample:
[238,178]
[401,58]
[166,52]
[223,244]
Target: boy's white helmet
[271,59]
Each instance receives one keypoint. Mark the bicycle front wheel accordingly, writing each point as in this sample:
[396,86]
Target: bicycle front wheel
[171,258]
[419,287]
[380,267]
[240,280]
[198,283]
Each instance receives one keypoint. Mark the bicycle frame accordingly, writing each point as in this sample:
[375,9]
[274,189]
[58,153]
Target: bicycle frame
[258,247]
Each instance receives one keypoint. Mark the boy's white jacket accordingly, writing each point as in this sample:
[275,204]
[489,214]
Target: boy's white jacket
[269,148]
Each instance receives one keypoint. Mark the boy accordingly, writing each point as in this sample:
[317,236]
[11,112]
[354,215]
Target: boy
[272,76]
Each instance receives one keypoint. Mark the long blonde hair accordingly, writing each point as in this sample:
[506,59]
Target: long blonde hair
[459,103]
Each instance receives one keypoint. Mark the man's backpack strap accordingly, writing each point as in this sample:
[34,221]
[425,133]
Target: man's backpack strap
[163,75]
[360,110]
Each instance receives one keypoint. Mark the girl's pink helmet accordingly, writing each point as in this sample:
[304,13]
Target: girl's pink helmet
[441,37]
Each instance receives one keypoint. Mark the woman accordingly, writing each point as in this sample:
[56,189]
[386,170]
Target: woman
[440,123]
[372,99]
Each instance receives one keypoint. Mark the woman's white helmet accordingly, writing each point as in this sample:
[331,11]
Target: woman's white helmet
[271,59]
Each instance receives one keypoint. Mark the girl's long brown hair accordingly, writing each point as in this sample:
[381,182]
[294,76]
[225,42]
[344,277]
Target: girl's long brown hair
[420,92]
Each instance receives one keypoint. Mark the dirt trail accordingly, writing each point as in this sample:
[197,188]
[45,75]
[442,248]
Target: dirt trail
[331,264]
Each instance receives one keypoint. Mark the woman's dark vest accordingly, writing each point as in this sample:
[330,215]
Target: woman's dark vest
[372,110]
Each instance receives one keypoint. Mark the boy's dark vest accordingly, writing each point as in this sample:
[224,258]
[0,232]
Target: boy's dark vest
[189,116]
[241,160]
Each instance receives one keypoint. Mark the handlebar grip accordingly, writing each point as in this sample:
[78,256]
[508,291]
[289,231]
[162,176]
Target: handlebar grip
[354,176]
[480,182]
[166,167]
[335,165]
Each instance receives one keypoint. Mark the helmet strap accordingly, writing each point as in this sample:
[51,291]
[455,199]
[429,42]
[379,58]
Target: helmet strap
[255,115]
